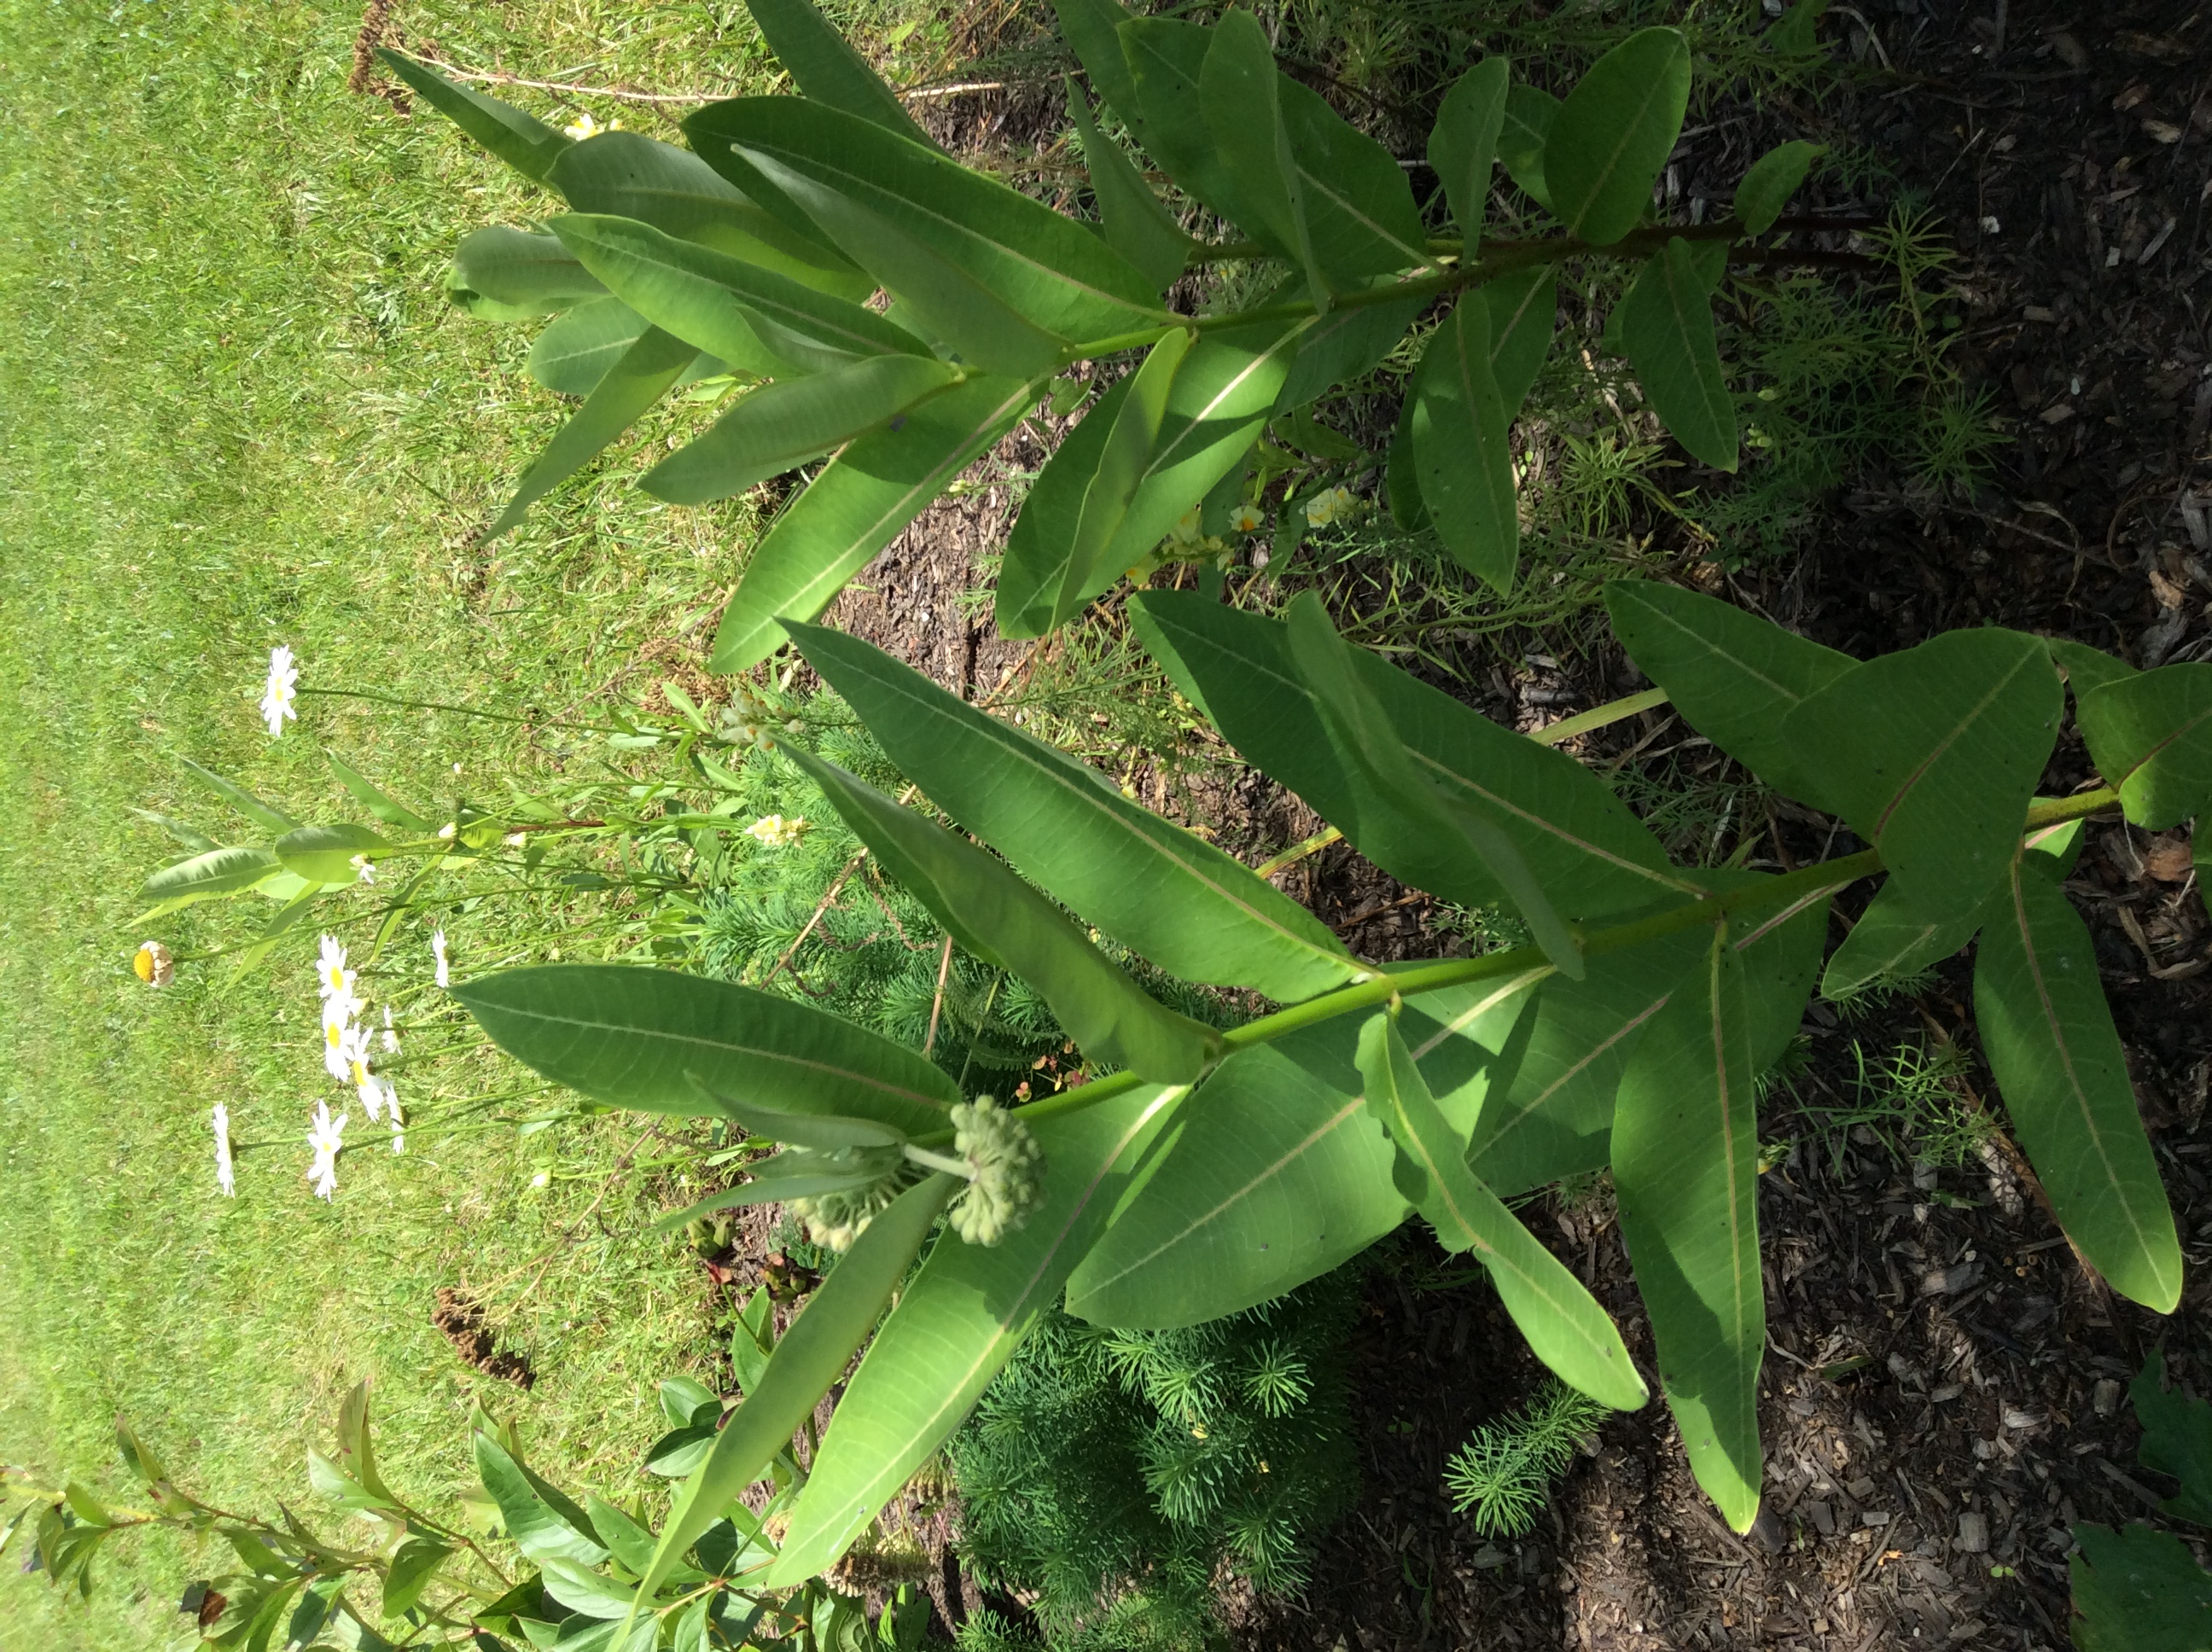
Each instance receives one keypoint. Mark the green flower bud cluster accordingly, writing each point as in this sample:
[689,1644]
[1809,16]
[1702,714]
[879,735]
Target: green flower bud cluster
[1005,1169]
[749,720]
[834,1219]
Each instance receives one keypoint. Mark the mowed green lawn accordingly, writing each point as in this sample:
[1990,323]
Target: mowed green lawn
[235,410]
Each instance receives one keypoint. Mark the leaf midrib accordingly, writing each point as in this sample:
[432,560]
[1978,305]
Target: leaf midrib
[1102,808]
[1906,786]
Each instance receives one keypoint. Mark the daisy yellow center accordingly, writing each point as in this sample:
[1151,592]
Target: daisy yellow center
[143,965]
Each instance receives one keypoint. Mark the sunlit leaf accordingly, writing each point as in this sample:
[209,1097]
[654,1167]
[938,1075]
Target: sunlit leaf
[1463,146]
[523,141]
[2150,736]
[1613,134]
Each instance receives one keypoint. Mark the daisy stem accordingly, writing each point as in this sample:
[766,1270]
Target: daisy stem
[464,711]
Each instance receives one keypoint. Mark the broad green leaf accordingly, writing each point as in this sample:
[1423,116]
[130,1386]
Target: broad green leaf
[853,508]
[1772,180]
[1045,267]
[1892,941]
[629,387]
[1002,921]
[326,854]
[630,1543]
[1462,448]
[827,69]
[1730,673]
[1792,33]
[523,141]
[1123,459]
[1368,744]
[1136,225]
[1529,113]
[1565,1328]
[2135,1589]
[2150,736]
[2177,1439]
[1238,90]
[356,1451]
[1666,333]
[683,1401]
[1091,30]
[826,1132]
[206,877]
[630,1038]
[1401,475]
[1224,391]
[1685,1167]
[2086,668]
[1344,345]
[811,1357]
[511,274]
[545,1529]
[1463,146]
[1613,134]
[265,815]
[750,317]
[629,175]
[373,798]
[1169,896]
[2048,1034]
[576,350]
[1524,310]
[1932,755]
[1359,206]
[1165,60]
[961,1318]
[1576,838]
[1275,1174]
[780,426]
[581,1589]
[1554,1116]
[410,1571]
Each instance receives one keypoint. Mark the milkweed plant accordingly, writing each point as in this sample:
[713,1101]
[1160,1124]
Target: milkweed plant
[1186,1171]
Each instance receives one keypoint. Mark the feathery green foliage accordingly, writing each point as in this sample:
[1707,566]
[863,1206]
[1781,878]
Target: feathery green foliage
[1505,1471]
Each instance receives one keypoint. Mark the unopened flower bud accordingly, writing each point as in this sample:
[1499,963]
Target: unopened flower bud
[1007,1170]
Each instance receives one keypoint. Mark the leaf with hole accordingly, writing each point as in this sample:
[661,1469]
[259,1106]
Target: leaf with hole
[632,1037]
[2048,1034]
[854,508]
[1612,135]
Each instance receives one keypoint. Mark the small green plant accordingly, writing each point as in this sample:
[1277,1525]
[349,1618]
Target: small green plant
[2140,1589]
[1116,1476]
[1502,1476]
[1910,1103]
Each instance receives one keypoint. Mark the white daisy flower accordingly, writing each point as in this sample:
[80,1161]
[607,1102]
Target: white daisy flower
[364,868]
[153,964]
[438,953]
[583,126]
[222,1164]
[340,1034]
[391,1034]
[399,1128]
[324,1136]
[776,832]
[277,698]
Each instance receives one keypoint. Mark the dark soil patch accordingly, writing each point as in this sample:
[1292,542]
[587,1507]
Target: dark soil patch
[461,1319]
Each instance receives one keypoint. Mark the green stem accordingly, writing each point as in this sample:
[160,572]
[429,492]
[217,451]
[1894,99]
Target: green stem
[464,711]
[1789,890]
